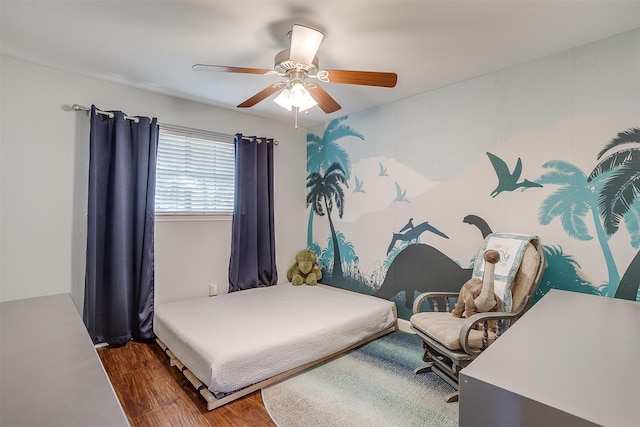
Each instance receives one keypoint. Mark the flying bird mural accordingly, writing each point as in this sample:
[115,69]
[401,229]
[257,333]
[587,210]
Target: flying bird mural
[359,185]
[508,181]
[401,195]
[383,170]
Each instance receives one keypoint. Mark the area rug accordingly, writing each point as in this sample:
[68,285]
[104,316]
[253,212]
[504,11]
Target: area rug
[372,385]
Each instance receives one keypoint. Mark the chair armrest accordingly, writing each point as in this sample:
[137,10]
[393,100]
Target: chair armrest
[477,318]
[420,298]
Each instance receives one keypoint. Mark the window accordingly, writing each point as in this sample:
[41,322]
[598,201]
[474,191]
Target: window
[195,172]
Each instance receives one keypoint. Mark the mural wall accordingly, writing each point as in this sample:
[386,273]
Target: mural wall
[400,197]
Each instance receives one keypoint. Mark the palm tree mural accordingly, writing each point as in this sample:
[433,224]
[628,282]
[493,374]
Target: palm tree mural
[618,199]
[324,151]
[327,190]
[347,251]
[571,203]
[562,273]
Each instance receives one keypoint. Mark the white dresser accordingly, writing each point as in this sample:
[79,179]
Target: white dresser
[571,360]
[50,373]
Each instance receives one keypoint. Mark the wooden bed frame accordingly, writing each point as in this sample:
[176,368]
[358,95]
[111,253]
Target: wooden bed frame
[213,402]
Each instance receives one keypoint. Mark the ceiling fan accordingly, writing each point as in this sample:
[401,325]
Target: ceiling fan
[297,65]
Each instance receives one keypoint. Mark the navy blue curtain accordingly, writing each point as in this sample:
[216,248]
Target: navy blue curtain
[253,249]
[119,278]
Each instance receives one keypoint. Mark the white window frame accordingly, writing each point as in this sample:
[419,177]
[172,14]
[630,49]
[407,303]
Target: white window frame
[206,147]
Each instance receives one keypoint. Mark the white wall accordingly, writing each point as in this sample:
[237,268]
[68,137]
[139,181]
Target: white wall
[43,177]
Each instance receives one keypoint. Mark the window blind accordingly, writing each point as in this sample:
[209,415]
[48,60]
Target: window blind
[195,172]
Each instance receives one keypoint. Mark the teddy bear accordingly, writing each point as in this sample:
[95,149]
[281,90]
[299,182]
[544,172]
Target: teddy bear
[305,269]
[476,296]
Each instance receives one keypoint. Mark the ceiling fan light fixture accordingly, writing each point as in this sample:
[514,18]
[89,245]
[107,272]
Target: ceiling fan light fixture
[308,103]
[298,95]
[295,96]
[283,99]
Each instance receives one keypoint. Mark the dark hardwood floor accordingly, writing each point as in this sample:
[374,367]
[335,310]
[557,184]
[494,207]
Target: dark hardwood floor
[152,393]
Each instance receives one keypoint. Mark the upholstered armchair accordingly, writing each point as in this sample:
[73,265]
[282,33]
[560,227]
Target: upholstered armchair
[451,343]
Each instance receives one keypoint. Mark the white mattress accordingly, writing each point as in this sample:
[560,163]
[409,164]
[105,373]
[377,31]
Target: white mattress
[234,340]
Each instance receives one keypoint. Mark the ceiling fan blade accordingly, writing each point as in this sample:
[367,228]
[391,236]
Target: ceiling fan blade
[324,100]
[262,95]
[226,69]
[305,42]
[366,78]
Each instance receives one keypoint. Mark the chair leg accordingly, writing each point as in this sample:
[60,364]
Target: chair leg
[451,397]
[426,355]
[452,380]
[424,369]
[439,365]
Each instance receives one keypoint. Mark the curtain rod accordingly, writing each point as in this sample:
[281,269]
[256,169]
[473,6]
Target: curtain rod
[76,107]
[259,139]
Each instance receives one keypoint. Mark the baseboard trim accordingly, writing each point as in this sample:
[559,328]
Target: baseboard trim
[405,326]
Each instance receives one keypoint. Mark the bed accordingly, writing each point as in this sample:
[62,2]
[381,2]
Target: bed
[233,344]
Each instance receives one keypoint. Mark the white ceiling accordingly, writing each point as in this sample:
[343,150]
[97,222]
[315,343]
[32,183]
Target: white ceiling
[429,44]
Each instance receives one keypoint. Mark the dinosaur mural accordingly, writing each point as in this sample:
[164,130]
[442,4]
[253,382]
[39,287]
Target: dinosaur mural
[423,268]
[480,223]
[413,233]
[588,207]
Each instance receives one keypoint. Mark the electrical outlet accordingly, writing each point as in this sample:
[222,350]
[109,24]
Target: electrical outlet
[213,289]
